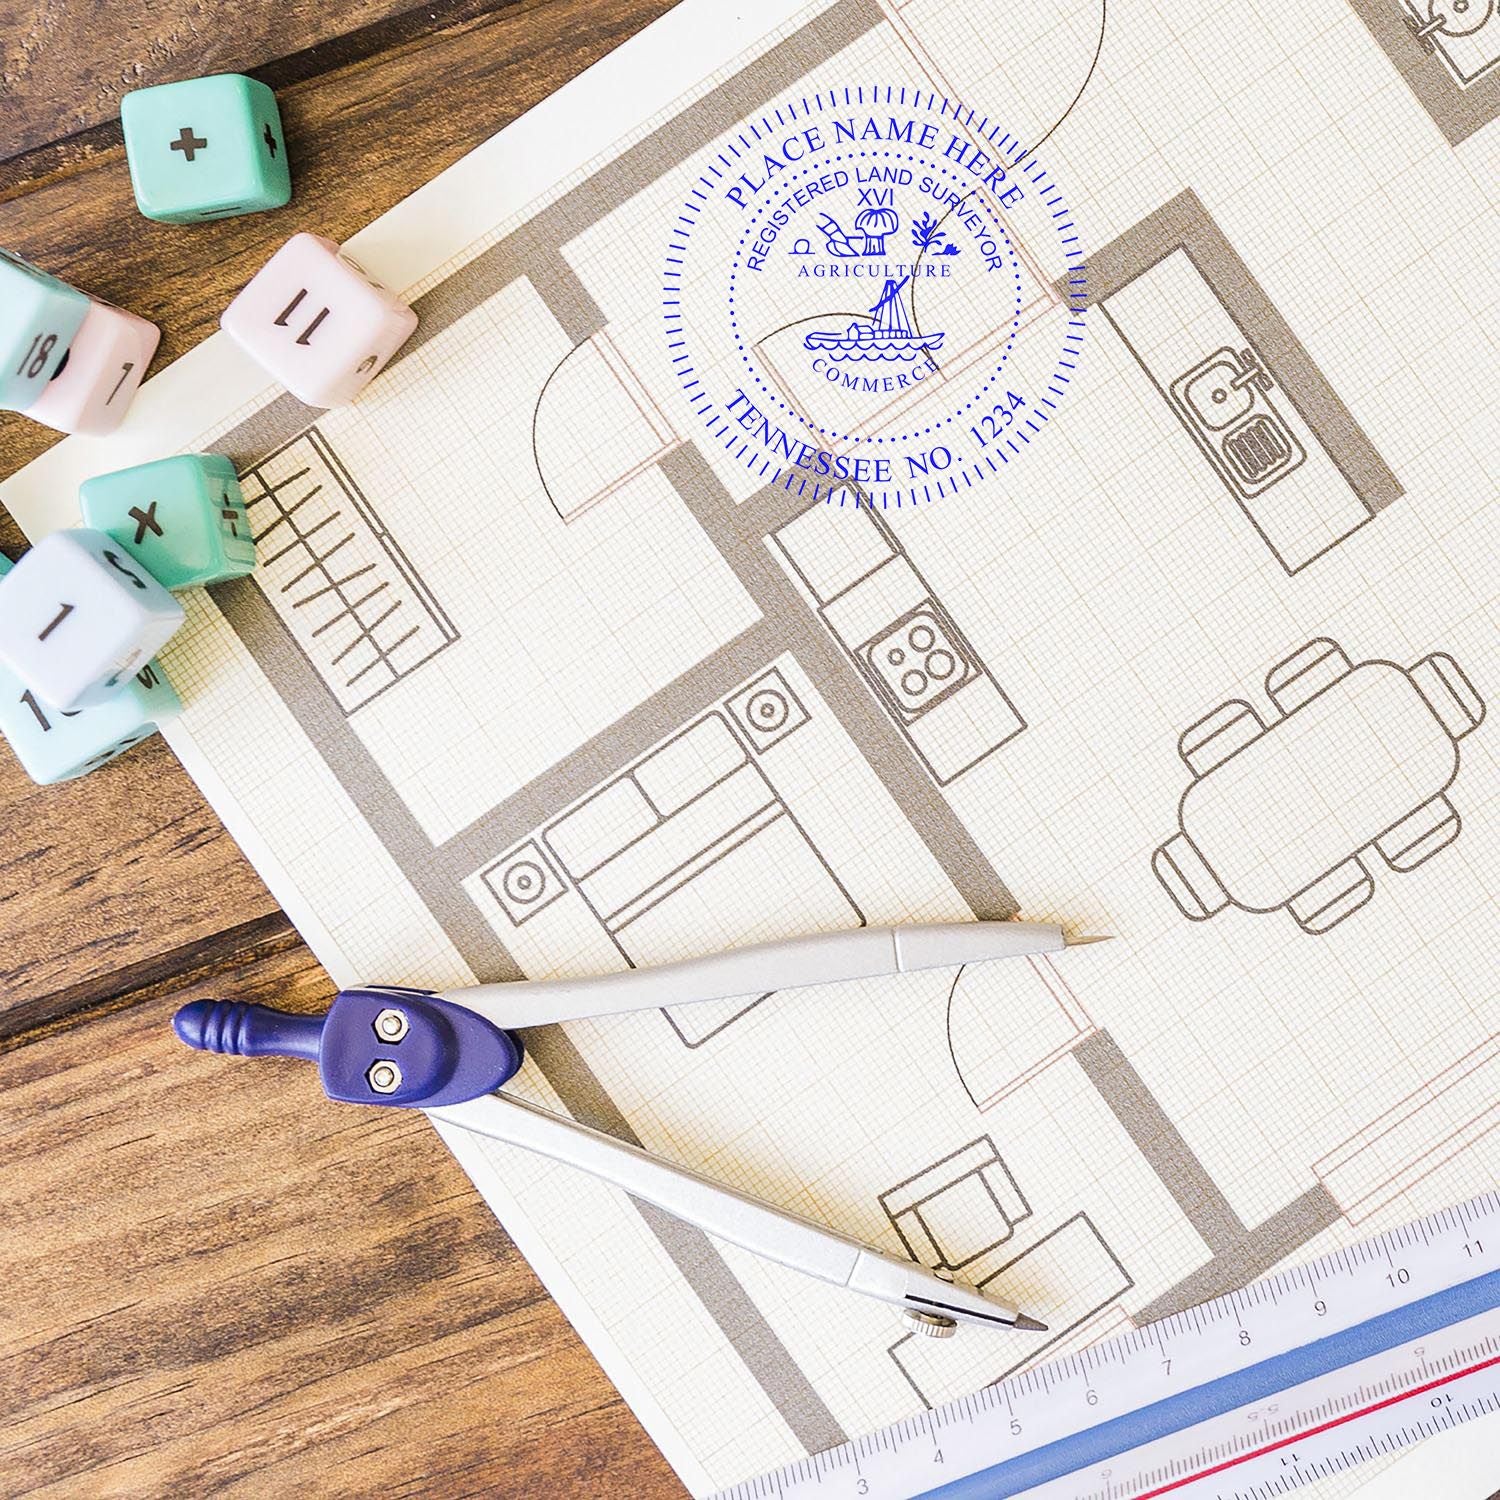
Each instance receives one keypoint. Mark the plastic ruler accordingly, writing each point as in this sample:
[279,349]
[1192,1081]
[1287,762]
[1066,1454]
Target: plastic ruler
[1304,1374]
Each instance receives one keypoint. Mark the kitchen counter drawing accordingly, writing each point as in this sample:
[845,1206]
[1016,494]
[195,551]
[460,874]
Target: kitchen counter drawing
[1447,53]
[1232,372]
[1465,34]
[1282,814]
[920,667]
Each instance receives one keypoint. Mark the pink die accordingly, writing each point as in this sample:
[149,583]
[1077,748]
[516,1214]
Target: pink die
[101,372]
[317,322]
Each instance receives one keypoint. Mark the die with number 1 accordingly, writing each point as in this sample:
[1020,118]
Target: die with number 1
[101,373]
[78,616]
[56,746]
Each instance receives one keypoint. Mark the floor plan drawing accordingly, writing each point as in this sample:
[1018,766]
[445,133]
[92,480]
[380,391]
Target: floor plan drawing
[340,580]
[1002,1033]
[634,432]
[1073,1249]
[907,646]
[1280,814]
[1183,302]
[1448,52]
[1417,1135]
[692,824]
[959,1209]
[537,678]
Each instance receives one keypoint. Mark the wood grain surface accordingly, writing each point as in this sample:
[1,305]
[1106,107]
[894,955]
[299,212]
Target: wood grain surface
[217,1281]
[53,87]
[214,1282]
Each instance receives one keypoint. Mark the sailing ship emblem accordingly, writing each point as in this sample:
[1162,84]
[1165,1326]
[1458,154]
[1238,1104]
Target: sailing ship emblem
[888,336]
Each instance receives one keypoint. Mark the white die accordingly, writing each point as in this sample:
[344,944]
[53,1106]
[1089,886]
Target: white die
[103,369]
[78,615]
[314,319]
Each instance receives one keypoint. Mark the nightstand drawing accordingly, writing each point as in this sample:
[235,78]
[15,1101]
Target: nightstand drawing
[1282,814]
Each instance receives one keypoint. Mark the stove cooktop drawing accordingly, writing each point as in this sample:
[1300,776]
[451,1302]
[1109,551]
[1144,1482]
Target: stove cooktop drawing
[923,671]
[919,661]
[1225,402]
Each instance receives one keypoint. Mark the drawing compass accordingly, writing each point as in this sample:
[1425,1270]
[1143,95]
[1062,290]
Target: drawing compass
[451,1054]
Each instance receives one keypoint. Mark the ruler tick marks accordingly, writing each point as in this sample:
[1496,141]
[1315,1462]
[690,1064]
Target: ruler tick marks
[1376,1362]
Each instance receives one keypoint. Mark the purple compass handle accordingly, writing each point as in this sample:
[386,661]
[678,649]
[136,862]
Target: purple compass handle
[247,1030]
[376,1046]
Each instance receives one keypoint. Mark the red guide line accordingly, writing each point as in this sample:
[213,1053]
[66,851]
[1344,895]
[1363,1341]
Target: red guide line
[1230,1463]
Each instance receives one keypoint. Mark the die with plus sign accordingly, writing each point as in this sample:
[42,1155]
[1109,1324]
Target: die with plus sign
[100,373]
[39,316]
[205,148]
[78,616]
[317,323]
[182,518]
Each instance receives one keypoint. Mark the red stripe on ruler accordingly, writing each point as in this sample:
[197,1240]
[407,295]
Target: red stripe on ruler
[1364,1411]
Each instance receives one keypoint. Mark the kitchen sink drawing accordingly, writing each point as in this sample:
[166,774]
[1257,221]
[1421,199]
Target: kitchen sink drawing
[1447,53]
[1259,413]
[1285,813]
[1463,34]
[1224,401]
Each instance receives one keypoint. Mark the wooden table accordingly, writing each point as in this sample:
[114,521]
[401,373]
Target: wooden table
[213,1280]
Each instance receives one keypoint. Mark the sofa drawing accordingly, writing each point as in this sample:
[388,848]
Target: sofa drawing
[1282,814]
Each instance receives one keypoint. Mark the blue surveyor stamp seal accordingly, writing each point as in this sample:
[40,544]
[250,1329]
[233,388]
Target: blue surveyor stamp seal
[872,296]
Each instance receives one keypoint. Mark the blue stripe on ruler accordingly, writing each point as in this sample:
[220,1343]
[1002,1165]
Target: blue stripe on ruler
[1240,1388]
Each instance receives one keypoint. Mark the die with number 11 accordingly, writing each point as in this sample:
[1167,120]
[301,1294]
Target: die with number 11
[318,322]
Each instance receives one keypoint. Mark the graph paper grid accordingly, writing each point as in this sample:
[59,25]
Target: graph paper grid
[1208,670]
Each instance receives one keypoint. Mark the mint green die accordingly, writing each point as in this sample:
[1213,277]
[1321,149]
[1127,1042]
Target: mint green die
[56,746]
[182,519]
[205,148]
[38,317]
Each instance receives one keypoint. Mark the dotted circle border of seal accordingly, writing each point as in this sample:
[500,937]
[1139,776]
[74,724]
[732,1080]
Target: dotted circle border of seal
[701,195]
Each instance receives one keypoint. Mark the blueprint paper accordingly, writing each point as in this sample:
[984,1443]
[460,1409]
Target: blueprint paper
[1172,615]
